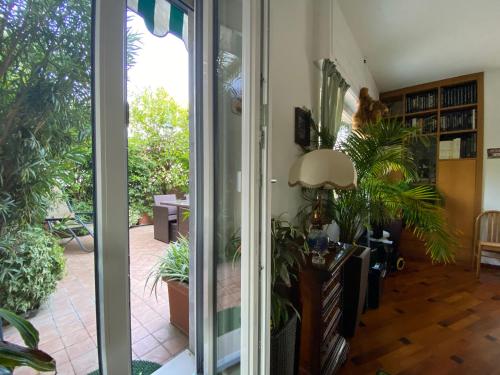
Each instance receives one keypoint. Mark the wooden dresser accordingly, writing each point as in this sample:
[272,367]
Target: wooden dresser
[322,348]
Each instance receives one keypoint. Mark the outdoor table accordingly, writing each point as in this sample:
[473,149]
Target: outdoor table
[182,222]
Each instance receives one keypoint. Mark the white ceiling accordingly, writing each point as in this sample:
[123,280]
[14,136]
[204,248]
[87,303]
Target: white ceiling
[407,42]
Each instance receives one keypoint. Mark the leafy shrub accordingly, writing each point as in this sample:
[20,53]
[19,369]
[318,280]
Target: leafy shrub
[288,248]
[32,264]
[174,265]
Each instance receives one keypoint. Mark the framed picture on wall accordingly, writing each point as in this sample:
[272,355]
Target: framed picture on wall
[303,120]
[494,153]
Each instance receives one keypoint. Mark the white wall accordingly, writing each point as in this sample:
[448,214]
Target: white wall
[301,32]
[291,77]
[491,167]
[350,58]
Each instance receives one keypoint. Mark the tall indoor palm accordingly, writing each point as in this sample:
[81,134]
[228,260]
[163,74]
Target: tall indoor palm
[388,189]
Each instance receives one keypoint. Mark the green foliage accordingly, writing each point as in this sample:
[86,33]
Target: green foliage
[387,190]
[288,246]
[160,131]
[44,100]
[32,264]
[45,105]
[12,356]
[173,266]
[158,148]
[158,155]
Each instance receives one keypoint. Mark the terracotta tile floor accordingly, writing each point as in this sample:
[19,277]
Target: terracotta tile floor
[67,322]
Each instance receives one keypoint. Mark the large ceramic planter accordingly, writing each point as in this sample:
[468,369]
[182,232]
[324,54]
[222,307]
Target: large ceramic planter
[283,346]
[178,299]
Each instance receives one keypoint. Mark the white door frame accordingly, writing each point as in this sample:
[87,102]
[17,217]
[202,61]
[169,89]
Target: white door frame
[111,195]
[251,187]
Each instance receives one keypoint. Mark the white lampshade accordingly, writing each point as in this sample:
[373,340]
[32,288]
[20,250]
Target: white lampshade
[325,168]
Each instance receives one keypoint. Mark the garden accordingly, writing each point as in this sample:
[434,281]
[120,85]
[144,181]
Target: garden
[46,143]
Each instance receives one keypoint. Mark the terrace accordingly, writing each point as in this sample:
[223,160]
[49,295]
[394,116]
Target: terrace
[67,322]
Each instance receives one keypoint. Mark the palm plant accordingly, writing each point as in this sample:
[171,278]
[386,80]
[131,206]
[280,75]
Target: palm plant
[388,189]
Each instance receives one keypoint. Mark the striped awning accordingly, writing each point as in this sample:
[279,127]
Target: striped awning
[161,17]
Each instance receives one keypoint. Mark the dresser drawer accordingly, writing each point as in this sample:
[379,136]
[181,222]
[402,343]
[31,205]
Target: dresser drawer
[330,284]
[332,301]
[331,325]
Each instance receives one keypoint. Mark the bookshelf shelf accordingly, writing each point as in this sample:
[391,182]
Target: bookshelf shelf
[463,131]
[458,107]
[420,113]
[459,159]
[455,131]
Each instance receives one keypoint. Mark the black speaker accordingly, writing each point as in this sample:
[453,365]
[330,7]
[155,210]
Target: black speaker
[355,284]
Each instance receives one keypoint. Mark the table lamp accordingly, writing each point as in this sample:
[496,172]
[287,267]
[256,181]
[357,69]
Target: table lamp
[322,169]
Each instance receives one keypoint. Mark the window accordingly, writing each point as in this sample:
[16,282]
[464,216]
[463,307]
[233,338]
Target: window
[350,105]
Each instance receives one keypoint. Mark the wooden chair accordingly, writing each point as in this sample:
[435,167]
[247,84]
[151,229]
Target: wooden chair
[486,237]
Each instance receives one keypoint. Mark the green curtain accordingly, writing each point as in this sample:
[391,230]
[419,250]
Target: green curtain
[333,90]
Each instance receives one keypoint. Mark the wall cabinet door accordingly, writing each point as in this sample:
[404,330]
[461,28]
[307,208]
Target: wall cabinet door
[457,182]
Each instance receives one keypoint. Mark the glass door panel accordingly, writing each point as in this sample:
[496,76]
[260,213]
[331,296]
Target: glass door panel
[227,184]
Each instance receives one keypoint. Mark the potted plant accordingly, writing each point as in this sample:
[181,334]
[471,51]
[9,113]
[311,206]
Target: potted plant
[379,151]
[12,355]
[287,255]
[173,268]
[146,216]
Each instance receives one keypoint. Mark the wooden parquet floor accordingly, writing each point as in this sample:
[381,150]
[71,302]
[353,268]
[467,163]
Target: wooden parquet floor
[433,319]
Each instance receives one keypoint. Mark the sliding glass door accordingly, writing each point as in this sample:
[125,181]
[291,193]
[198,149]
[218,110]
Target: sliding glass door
[228,212]
[234,140]
[228,123]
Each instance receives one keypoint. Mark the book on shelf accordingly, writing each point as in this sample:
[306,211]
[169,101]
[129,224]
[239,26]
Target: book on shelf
[459,95]
[427,124]
[421,102]
[450,149]
[458,148]
[468,147]
[458,120]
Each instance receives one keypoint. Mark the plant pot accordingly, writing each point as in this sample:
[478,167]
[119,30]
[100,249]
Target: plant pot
[283,346]
[178,299]
[145,219]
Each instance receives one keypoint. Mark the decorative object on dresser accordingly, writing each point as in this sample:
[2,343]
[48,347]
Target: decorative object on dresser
[322,169]
[323,349]
[450,113]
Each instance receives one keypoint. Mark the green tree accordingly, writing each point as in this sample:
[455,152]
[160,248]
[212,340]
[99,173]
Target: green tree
[44,100]
[158,147]
[45,103]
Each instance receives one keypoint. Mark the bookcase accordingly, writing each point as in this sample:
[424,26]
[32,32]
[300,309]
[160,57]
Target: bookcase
[450,154]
